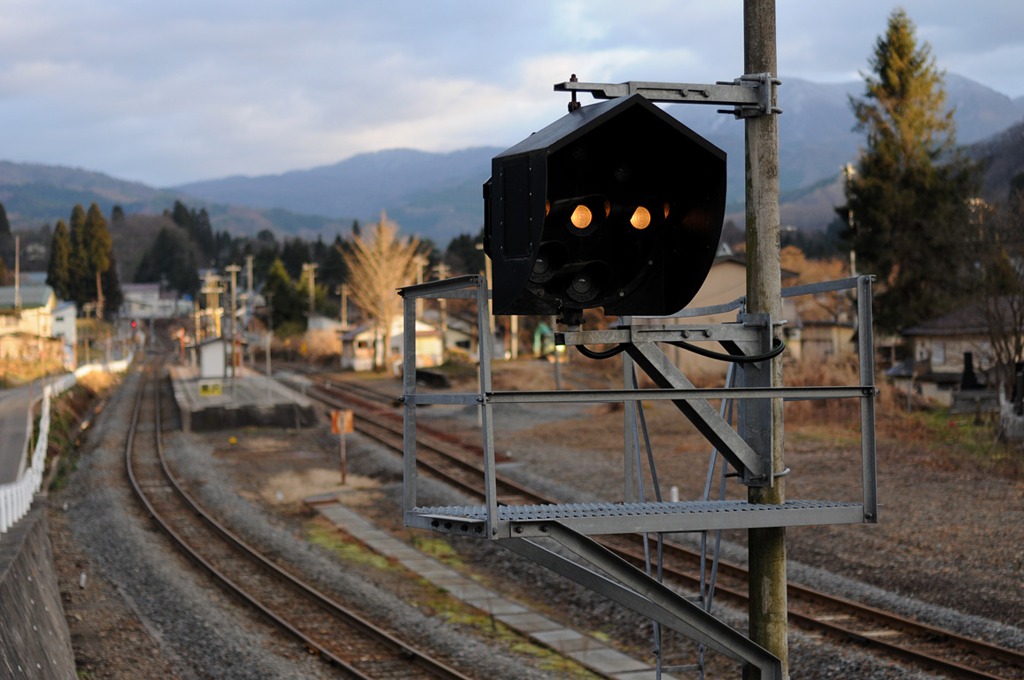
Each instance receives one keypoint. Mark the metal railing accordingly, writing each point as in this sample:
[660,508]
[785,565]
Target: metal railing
[16,497]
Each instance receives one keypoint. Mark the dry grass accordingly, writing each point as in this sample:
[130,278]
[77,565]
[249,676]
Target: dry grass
[321,344]
[14,373]
[949,442]
[822,411]
[98,382]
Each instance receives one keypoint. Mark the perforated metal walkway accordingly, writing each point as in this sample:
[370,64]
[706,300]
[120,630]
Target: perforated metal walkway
[612,518]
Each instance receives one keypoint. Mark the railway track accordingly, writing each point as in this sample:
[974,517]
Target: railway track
[324,626]
[920,645]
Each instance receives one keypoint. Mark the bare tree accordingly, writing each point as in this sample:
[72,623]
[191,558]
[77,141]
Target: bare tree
[1001,275]
[379,263]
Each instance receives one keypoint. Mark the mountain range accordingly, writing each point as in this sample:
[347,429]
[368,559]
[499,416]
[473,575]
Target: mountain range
[438,195]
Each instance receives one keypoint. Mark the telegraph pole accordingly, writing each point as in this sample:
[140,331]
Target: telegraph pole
[767,547]
[421,264]
[442,273]
[233,269]
[342,290]
[249,307]
[310,268]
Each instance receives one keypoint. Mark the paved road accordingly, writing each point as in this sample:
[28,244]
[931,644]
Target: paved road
[14,410]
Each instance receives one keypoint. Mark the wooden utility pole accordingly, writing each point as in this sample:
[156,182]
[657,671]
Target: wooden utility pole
[233,269]
[310,269]
[767,547]
[442,273]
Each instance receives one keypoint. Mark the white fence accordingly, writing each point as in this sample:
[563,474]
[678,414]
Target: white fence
[16,497]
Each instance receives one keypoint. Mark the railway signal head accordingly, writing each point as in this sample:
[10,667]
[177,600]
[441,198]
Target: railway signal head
[616,205]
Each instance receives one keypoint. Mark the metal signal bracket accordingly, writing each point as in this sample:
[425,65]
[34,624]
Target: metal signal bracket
[529,528]
[750,95]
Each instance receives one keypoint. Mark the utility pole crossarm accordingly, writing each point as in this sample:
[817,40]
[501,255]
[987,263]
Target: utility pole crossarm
[751,95]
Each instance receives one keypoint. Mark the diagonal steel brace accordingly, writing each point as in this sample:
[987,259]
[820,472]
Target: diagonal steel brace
[754,468]
[635,590]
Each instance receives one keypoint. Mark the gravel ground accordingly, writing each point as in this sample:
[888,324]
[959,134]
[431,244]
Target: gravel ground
[144,613]
[948,548]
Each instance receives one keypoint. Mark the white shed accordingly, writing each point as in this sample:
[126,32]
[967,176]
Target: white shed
[213,359]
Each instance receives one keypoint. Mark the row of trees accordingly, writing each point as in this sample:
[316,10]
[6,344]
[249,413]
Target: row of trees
[82,266]
[372,265]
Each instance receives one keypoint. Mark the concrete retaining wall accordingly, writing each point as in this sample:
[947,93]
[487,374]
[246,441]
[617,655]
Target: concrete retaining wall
[34,637]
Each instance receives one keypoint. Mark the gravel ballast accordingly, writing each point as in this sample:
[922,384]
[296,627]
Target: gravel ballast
[146,599]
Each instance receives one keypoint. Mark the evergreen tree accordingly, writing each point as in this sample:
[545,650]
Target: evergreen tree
[171,261]
[58,272]
[294,254]
[263,260]
[82,284]
[6,240]
[332,266]
[181,216]
[463,256]
[908,197]
[265,237]
[223,249]
[111,281]
[203,232]
[196,224]
[287,304]
[98,249]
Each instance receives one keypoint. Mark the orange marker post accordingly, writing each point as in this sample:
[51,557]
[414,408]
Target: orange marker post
[342,423]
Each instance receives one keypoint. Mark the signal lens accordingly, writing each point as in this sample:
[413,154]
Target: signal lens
[581,217]
[641,218]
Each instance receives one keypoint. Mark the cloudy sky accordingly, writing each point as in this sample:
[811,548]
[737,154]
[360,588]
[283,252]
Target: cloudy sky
[171,92]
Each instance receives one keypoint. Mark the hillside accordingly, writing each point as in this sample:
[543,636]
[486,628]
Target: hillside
[1003,158]
[817,136]
[34,195]
[438,195]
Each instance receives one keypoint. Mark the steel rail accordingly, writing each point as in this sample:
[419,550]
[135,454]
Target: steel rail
[388,431]
[418,658]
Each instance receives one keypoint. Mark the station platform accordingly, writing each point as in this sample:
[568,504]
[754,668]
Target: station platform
[249,399]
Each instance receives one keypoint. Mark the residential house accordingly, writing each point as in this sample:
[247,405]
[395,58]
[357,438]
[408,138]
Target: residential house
[27,309]
[461,336]
[149,301]
[64,327]
[938,347]
[725,283]
[360,346]
[26,318]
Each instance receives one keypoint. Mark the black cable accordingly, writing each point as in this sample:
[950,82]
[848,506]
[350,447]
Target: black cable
[778,347]
[607,354]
